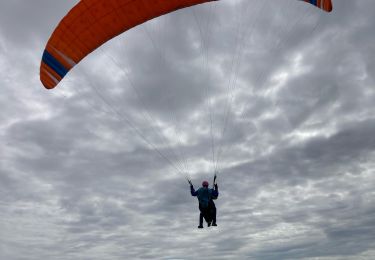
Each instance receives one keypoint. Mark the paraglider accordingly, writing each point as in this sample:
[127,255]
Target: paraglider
[206,197]
[91,23]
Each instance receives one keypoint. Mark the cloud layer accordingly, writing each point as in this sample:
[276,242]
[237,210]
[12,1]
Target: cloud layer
[278,97]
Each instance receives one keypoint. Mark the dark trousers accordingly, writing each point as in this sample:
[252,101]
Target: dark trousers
[208,213]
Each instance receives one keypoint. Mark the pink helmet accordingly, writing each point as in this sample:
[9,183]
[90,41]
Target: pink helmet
[205,183]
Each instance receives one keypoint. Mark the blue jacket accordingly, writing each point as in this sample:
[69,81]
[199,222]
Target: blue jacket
[205,195]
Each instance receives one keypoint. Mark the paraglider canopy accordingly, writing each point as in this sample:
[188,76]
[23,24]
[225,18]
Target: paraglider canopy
[91,23]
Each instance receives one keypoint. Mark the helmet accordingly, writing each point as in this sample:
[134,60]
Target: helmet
[205,183]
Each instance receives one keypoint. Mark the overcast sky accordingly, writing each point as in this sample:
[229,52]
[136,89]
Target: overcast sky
[277,96]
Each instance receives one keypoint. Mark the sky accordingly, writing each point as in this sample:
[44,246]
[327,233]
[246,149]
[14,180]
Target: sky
[277,97]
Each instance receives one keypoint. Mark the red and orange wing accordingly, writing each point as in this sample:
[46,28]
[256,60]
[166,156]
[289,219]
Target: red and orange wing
[326,5]
[91,23]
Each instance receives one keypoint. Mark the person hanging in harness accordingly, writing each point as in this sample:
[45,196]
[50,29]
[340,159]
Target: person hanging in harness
[207,206]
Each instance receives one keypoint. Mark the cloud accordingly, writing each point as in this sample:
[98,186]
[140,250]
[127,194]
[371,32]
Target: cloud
[278,98]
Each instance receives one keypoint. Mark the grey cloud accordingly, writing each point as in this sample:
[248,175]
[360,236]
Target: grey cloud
[78,181]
